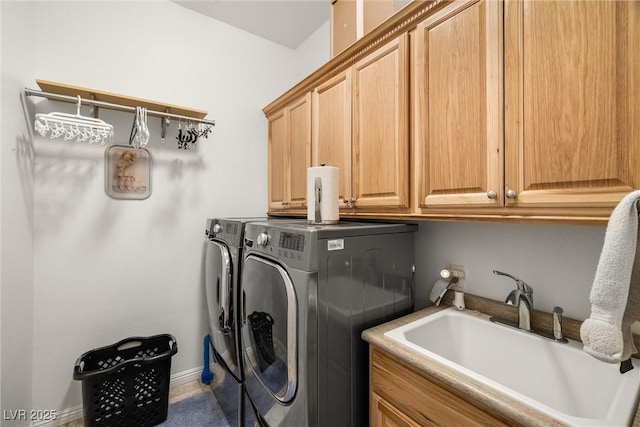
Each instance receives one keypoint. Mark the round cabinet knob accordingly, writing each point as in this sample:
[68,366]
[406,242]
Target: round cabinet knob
[263,239]
[353,200]
[511,194]
[345,201]
[492,194]
[217,228]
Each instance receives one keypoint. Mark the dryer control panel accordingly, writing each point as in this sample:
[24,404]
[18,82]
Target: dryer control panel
[281,242]
[292,241]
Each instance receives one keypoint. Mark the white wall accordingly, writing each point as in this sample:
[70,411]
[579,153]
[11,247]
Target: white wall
[313,52]
[16,203]
[108,269]
[558,261]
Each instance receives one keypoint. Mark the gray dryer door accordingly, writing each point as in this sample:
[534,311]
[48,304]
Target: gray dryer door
[269,332]
[218,290]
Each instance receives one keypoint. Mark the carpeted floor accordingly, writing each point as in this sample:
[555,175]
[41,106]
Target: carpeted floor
[200,410]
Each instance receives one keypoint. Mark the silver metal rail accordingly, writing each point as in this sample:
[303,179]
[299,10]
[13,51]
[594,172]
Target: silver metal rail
[117,107]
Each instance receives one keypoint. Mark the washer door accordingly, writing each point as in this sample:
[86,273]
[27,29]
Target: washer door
[219,294]
[269,330]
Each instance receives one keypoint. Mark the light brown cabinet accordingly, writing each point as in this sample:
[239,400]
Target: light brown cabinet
[361,126]
[402,396]
[571,84]
[289,155]
[380,127]
[572,95]
[512,110]
[384,414]
[351,19]
[457,106]
[331,139]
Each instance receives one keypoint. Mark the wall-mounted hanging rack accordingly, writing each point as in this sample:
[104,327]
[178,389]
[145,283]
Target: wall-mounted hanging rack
[111,101]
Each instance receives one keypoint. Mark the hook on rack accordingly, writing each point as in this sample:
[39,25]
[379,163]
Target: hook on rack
[93,109]
[139,136]
[164,122]
[188,137]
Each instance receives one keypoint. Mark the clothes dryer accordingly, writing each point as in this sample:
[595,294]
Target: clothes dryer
[308,292]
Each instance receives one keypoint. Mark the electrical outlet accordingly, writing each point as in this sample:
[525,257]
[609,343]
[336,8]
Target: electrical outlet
[457,271]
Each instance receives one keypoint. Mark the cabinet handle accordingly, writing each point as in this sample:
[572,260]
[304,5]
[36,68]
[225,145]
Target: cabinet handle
[511,194]
[345,201]
[353,200]
[492,194]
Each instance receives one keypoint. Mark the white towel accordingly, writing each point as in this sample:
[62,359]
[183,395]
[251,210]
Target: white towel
[606,334]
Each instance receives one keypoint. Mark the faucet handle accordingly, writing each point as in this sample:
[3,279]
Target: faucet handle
[557,324]
[522,286]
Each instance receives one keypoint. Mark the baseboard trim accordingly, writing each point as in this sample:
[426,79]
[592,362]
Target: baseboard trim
[75,413]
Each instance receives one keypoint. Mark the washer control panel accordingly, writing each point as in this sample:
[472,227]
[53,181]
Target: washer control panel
[226,230]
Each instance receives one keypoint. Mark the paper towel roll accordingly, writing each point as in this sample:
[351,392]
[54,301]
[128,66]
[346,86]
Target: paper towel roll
[322,195]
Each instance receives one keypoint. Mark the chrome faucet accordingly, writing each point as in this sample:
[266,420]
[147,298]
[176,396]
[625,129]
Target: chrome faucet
[436,299]
[522,297]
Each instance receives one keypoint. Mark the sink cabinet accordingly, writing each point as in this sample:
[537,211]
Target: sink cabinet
[289,155]
[402,396]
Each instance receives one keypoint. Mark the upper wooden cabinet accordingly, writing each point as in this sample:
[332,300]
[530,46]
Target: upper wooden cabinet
[278,158]
[380,127]
[571,87]
[289,155]
[361,126]
[331,140]
[457,106]
[351,19]
[478,109]
[572,95]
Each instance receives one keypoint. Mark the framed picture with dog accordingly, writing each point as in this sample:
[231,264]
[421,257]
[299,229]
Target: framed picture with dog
[127,172]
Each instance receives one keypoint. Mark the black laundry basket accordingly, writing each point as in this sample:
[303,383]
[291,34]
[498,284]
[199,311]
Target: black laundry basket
[127,383]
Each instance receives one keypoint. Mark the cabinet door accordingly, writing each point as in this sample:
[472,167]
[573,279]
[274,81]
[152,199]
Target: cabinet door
[572,95]
[332,129]
[343,25]
[299,150]
[384,414]
[380,127]
[277,160]
[457,100]
[422,398]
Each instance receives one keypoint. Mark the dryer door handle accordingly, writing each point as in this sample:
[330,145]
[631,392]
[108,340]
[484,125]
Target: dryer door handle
[225,297]
[225,289]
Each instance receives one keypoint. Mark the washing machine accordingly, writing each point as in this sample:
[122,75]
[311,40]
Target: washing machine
[307,293]
[223,260]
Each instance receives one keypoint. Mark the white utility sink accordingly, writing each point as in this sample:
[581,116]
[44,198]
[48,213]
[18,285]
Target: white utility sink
[559,380]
